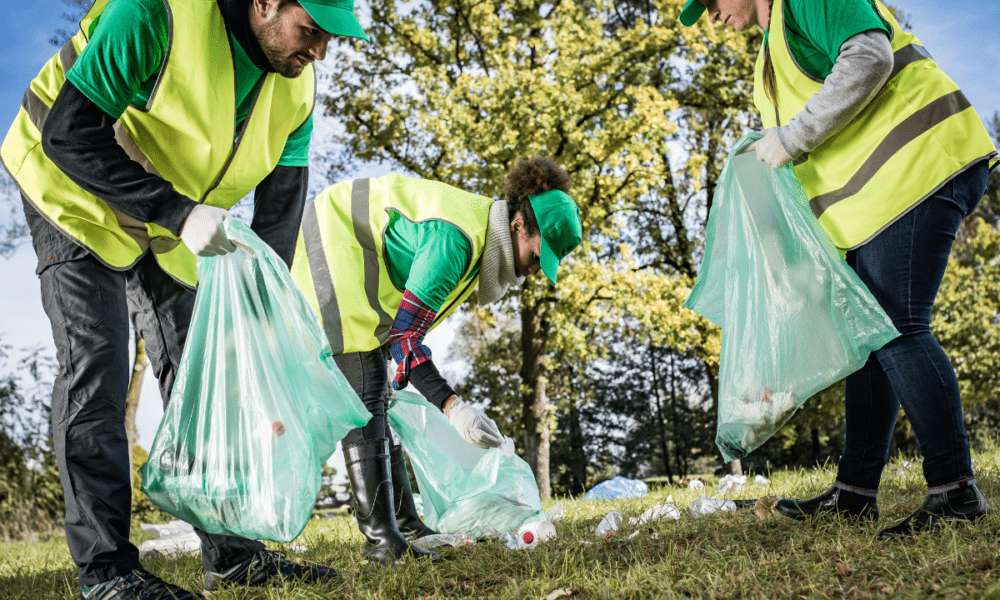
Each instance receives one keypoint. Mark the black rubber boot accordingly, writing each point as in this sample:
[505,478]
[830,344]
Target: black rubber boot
[407,519]
[834,502]
[369,471]
[966,503]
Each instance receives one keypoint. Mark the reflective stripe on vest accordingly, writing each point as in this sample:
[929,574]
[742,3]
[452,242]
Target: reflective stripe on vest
[915,135]
[340,262]
[185,136]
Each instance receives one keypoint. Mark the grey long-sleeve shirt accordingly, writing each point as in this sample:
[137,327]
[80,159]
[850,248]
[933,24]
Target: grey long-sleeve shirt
[861,69]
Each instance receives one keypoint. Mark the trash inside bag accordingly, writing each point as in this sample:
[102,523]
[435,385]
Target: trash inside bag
[258,404]
[795,317]
[616,488]
[464,489]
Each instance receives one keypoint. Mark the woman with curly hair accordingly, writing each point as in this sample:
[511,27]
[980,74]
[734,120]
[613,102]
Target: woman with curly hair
[385,260]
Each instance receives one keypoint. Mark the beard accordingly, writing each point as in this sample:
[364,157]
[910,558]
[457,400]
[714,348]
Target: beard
[286,65]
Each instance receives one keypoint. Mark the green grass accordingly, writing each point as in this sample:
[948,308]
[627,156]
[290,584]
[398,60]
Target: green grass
[734,555]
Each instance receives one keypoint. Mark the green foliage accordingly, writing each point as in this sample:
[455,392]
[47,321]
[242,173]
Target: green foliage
[30,492]
[143,509]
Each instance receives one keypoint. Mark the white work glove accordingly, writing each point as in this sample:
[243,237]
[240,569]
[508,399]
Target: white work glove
[474,425]
[770,150]
[202,231]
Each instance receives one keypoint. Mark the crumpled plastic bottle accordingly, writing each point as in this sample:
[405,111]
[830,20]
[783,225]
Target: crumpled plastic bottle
[732,483]
[657,513]
[555,513]
[609,524]
[706,506]
[761,480]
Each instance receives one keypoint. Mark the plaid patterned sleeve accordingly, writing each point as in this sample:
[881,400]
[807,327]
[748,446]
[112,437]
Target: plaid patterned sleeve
[406,338]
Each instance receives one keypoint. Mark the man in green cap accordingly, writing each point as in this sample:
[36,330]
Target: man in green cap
[130,147]
[383,261]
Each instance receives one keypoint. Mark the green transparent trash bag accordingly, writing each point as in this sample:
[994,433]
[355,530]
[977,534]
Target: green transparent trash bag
[257,406]
[795,317]
[464,489]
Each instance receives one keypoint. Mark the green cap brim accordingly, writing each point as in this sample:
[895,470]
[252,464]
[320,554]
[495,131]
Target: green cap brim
[548,261]
[335,20]
[692,12]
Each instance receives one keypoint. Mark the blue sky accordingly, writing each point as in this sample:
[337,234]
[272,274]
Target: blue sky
[963,37]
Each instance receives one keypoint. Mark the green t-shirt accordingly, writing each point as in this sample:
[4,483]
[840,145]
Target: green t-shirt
[818,28]
[119,66]
[427,259]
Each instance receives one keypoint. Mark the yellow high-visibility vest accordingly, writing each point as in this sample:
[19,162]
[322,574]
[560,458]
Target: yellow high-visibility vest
[183,134]
[340,263]
[915,135]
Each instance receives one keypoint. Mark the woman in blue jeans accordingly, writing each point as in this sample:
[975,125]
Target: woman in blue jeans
[892,157]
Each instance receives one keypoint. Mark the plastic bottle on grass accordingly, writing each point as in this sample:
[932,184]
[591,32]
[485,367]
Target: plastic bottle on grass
[530,534]
[706,506]
[609,524]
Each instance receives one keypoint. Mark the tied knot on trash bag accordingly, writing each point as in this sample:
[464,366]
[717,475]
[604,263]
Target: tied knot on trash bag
[257,406]
[795,317]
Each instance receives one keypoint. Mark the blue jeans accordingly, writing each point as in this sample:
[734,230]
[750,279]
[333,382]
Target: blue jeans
[903,267]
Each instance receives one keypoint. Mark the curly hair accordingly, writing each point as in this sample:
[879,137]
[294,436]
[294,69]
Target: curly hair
[530,177]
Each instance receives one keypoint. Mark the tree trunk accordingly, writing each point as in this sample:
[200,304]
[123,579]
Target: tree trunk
[535,410]
[132,401]
[579,464]
[661,422]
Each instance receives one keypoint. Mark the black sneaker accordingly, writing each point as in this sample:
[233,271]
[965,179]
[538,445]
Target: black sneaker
[140,584]
[266,567]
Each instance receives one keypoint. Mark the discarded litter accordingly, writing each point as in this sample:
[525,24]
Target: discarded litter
[555,513]
[657,513]
[765,506]
[633,534]
[536,531]
[761,480]
[695,483]
[616,488]
[175,538]
[732,483]
[444,539]
[609,524]
[706,506]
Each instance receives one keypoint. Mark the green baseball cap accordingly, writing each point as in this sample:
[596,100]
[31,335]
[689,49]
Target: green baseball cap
[692,12]
[336,17]
[558,220]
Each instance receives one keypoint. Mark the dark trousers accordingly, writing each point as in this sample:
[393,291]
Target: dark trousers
[89,306]
[903,267]
[368,375]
